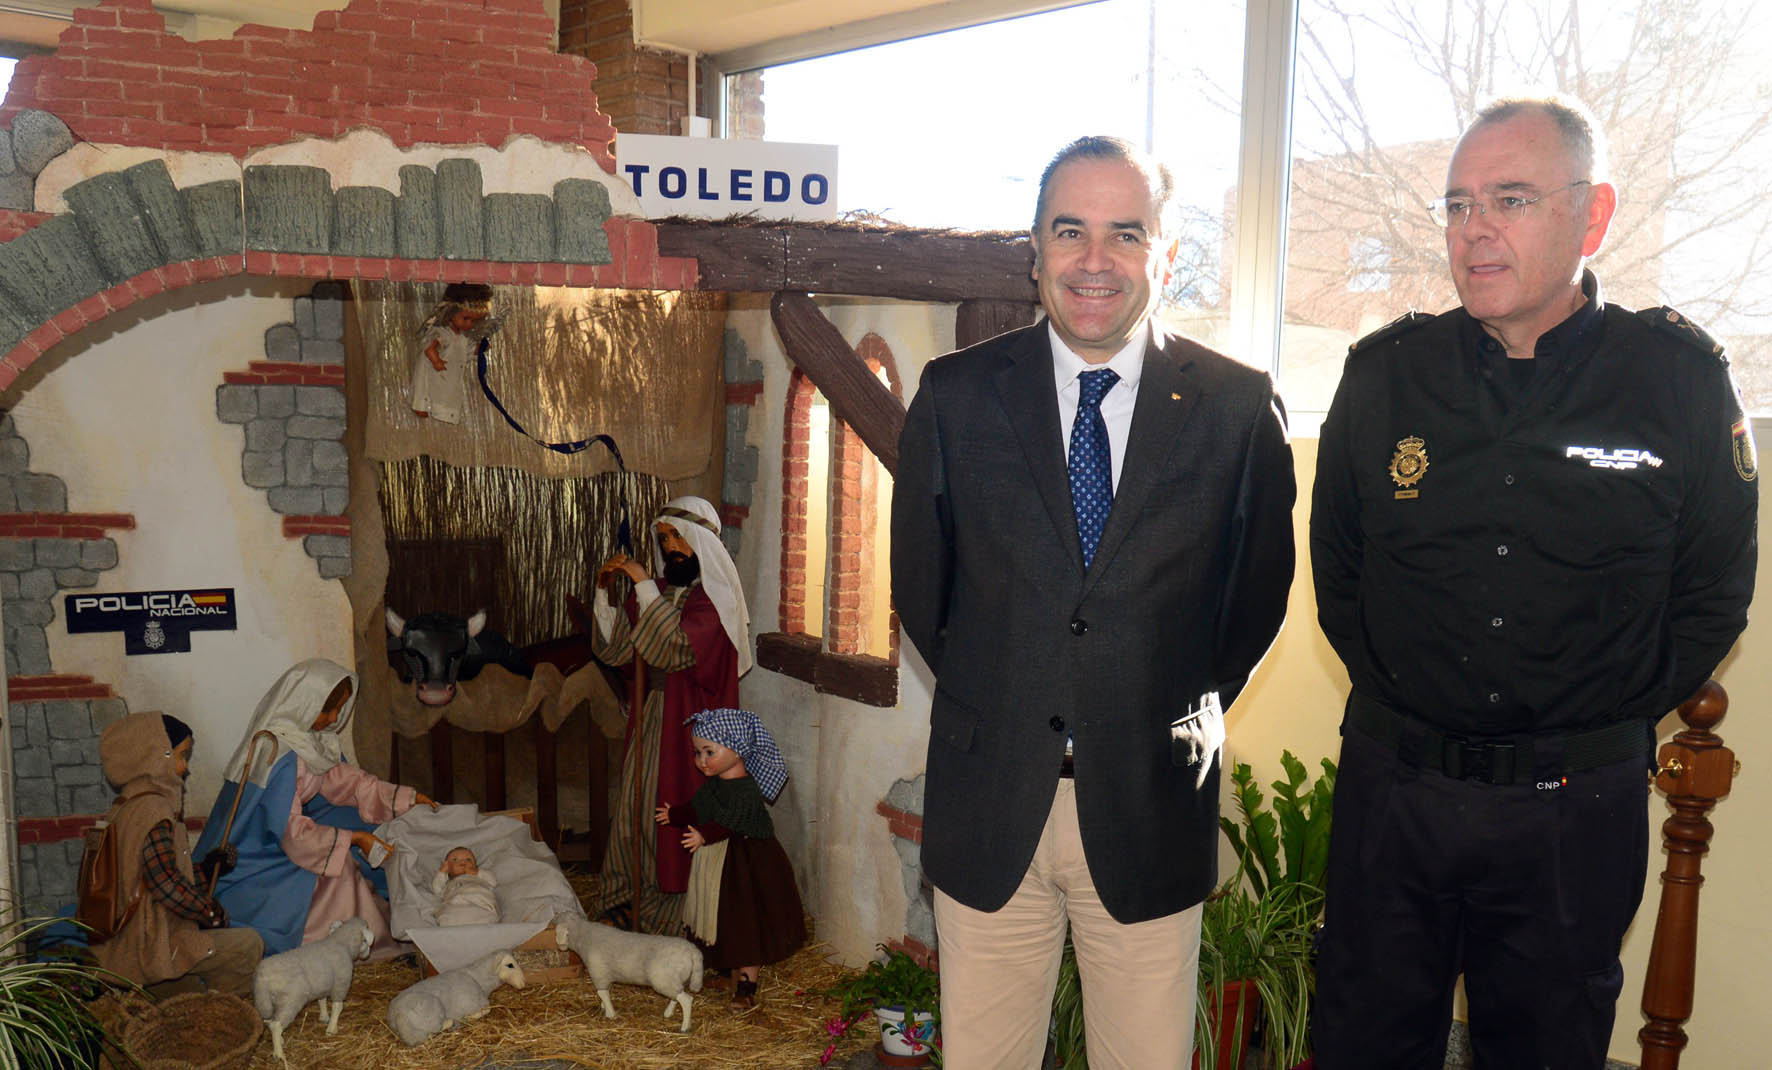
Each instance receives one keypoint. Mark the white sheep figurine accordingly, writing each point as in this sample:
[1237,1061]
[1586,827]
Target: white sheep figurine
[670,964]
[452,997]
[285,983]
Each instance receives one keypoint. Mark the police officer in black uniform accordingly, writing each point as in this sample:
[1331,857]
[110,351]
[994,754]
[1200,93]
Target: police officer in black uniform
[1532,535]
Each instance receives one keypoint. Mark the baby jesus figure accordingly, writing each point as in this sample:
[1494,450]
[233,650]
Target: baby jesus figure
[469,897]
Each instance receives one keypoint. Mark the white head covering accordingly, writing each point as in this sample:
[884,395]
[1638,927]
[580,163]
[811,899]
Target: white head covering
[288,711]
[699,524]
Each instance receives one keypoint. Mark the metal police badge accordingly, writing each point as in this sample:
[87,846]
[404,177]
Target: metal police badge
[1407,466]
[1746,458]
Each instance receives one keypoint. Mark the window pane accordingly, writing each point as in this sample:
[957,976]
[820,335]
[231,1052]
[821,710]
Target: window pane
[954,129]
[1384,87]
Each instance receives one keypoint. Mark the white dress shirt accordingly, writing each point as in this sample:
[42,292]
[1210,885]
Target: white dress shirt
[1116,405]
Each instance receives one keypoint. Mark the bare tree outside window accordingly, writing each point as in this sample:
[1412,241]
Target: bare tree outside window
[1384,86]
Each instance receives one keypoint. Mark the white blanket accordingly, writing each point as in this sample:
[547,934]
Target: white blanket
[532,890]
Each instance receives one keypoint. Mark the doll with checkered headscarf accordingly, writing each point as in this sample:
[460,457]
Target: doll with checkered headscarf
[742,905]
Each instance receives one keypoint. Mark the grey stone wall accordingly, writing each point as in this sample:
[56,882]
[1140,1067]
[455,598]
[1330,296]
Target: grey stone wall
[34,571]
[36,137]
[294,449]
[919,918]
[443,212]
[56,773]
[741,457]
[55,763]
[47,876]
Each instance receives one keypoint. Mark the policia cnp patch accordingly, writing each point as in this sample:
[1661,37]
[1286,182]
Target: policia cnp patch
[1746,458]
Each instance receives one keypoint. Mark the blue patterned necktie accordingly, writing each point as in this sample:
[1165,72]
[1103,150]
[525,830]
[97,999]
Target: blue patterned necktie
[1091,460]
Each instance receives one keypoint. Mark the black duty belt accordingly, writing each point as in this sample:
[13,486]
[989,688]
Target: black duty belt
[1494,760]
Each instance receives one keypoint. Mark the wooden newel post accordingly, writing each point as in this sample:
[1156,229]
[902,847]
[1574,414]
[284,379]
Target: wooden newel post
[1695,770]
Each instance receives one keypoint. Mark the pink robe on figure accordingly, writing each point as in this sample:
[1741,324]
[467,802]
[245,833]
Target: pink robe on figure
[342,891]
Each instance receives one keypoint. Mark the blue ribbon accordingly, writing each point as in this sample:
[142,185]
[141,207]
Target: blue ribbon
[623,536]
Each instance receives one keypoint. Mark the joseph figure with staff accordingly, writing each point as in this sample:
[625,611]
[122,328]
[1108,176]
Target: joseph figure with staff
[687,621]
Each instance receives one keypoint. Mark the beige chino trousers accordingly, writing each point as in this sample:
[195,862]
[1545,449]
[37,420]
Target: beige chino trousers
[999,968]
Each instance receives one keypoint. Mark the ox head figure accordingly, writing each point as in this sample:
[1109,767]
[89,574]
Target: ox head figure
[430,649]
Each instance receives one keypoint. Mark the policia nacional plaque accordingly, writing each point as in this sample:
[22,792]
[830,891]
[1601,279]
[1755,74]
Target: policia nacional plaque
[153,622]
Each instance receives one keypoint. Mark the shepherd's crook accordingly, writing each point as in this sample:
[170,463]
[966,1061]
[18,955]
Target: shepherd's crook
[245,775]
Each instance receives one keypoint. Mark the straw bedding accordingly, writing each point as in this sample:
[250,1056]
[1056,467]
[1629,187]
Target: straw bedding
[557,1026]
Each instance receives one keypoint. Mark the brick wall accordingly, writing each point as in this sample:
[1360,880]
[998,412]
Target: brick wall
[795,478]
[744,106]
[855,522]
[851,542]
[642,90]
[421,71]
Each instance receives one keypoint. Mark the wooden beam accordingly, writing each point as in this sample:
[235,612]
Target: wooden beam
[495,770]
[975,321]
[442,763]
[547,784]
[908,265]
[856,396]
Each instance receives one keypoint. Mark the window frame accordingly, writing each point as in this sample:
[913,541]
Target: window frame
[831,661]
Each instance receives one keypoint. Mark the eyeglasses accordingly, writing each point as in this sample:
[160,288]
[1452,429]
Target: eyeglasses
[1509,208]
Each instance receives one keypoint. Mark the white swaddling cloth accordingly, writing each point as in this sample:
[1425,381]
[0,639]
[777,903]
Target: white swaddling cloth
[531,889]
[467,899]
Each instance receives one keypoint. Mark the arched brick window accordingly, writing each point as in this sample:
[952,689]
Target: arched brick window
[836,625]
[803,515]
[861,618]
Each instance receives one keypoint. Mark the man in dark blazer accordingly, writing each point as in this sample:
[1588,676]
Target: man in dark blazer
[1091,563]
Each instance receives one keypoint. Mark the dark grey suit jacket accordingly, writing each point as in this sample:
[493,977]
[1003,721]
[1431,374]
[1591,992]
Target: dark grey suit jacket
[1186,592]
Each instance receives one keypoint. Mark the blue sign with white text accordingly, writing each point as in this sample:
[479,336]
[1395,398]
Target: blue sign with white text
[153,622]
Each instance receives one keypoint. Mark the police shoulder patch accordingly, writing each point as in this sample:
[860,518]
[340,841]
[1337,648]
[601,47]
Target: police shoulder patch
[1397,328]
[1672,324]
[1741,440]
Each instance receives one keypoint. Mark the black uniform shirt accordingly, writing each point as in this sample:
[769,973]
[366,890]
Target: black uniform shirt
[1567,554]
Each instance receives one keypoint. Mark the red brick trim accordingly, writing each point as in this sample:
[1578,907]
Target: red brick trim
[70,827]
[444,72]
[904,825]
[917,950]
[16,221]
[791,614]
[733,516]
[294,527]
[743,393]
[55,685]
[633,244]
[62,525]
[282,373]
[855,522]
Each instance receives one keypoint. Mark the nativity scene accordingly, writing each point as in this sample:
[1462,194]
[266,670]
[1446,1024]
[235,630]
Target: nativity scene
[509,675]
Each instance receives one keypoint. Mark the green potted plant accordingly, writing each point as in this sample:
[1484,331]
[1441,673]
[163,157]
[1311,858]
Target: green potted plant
[1255,961]
[44,1017]
[903,994]
[1256,930]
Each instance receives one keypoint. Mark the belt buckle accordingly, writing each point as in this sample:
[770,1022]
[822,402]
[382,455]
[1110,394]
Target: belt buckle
[1492,763]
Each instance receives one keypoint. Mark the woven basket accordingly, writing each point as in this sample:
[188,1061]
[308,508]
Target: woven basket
[196,1031]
